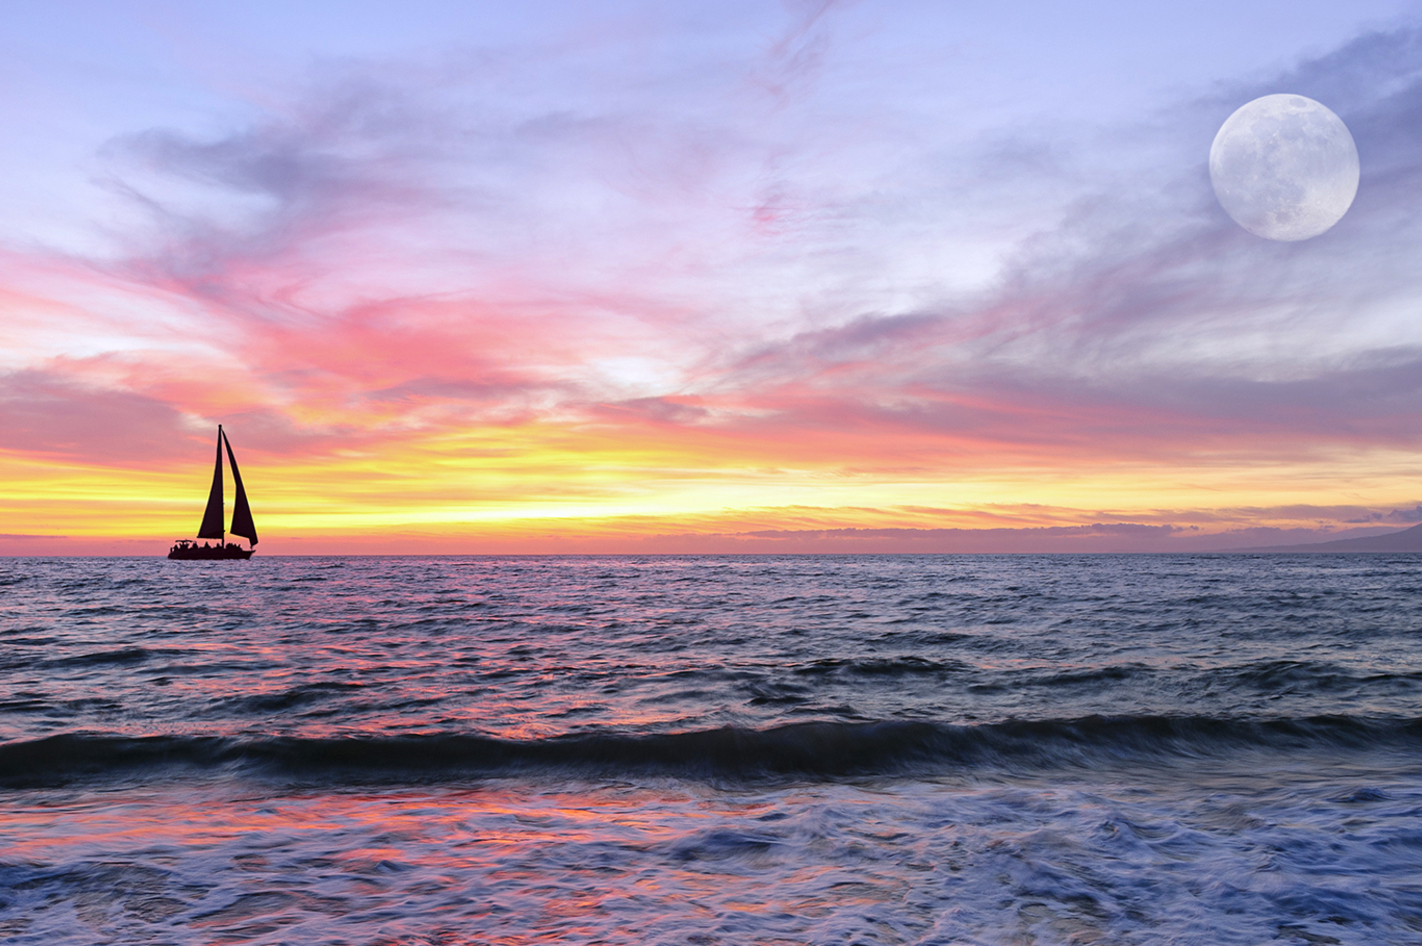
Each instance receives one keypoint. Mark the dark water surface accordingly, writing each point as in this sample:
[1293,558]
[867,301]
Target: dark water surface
[871,749]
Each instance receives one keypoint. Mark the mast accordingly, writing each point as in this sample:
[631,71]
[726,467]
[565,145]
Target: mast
[211,527]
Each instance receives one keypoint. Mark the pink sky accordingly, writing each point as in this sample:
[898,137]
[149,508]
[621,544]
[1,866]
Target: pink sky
[632,277]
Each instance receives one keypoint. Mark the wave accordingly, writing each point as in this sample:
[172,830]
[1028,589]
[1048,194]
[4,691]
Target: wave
[123,655]
[899,666]
[802,750]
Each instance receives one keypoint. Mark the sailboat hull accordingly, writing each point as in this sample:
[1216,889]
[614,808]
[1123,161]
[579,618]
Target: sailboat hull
[198,553]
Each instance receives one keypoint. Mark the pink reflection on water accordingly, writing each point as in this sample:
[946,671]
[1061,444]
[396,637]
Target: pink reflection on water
[505,863]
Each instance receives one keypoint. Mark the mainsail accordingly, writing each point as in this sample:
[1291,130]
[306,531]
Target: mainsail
[241,513]
[212,518]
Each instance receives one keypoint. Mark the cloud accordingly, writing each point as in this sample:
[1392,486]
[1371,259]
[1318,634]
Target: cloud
[58,416]
[1146,322]
[247,219]
[728,265]
[68,412]
[1098,538]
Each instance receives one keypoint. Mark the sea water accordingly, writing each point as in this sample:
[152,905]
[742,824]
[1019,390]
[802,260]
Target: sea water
[1211,749]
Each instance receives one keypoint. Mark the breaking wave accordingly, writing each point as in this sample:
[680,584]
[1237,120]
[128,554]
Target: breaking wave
[804,750]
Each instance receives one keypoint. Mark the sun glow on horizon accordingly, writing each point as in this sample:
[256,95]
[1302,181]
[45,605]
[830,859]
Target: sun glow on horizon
[782,281]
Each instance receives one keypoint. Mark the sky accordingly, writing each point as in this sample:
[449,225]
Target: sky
[666,277]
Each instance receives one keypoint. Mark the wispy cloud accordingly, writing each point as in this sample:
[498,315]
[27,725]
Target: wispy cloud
[732,269]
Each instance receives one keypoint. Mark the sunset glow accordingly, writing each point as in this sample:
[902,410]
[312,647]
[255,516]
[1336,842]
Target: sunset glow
[638,278]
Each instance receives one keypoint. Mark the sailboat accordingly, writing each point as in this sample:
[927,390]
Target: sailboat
[211,527]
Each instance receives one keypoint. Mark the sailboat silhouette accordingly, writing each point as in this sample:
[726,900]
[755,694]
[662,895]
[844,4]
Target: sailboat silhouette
[211,527]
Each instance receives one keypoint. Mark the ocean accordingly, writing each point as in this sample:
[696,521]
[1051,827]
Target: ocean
[1182,749]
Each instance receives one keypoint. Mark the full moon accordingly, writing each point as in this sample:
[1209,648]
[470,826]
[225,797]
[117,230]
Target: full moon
[1284,167]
